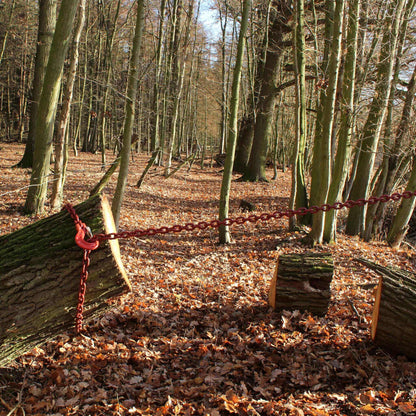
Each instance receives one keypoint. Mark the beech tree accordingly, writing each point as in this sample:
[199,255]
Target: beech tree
[36,195]
[47,22]
[372,128]
[129,113]
[298,195]
[322,145]
[224,234]
[61,141]
[346,125]
[256,167]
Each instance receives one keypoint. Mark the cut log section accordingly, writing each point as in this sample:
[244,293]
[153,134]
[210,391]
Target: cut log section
[40,268]
[393,324]
[302,281]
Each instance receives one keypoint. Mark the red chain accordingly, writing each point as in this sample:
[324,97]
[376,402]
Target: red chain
[82,289]
[84,272]
[202,225]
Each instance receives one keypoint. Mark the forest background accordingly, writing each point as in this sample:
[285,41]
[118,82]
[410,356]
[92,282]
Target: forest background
[323,90]
[327,89]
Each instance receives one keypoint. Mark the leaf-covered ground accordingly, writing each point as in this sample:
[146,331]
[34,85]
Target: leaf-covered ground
[196,335]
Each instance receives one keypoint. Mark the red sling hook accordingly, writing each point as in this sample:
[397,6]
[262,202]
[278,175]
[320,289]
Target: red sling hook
[79,239]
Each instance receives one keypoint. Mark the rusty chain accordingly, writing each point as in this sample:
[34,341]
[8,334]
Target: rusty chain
[93,242]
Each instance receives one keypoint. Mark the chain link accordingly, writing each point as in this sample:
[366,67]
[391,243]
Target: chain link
[202,225]
[288,213]
[82,290]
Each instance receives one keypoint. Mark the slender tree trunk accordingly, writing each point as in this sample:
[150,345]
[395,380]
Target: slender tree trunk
[59,168]
[224,234]
[36,195]
[129,113]
[322,148]
[298,194]
[224,89]
[392,144]
[372,127]
[400,222]
[155,139]
[256,167]
[47,21]
[6,35]
[322,74]
[343,154]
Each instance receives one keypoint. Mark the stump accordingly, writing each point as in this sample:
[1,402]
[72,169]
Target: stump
[393,324]
[302,281]
[40,268]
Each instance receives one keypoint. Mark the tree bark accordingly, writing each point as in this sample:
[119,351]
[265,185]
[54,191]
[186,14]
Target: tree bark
[224,233]
[47,21]
[322,148]
[256,167]
[61,136]
[343,155]
[373,124]
[302,281]
[399,226]
[39,269]
[394,316]
[299,197]
[130,111]
[36,195]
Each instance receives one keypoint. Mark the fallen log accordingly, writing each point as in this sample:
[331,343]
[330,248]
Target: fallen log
[393,325]
[40,269]
[302,281]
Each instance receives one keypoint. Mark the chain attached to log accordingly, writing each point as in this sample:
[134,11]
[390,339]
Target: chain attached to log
[87,246]
[93,242]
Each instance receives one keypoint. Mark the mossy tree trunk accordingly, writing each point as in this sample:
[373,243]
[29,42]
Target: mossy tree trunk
[302,281]
[322,149]
[40,268]
[224,233]
[372,128]
[399,226]
[343,155]
[393,325]
[256,167]
[48,104]
[47,21]
[61,141]
[299,196]
[129,113]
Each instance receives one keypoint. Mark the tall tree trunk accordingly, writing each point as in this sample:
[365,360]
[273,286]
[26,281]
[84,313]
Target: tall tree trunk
[322,147]
[47,22]
[36,195]
[392,143]
[108,67]
[322,74]
[6,35]
[298,194]
[400,222]
[343,155]
[224,89]
[155,139]
[373,125]
[246,130]
[61,136]
[224,234]
[256,168]
[129,114]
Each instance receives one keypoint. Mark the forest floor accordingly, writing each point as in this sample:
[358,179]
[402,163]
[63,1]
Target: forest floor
[196,335]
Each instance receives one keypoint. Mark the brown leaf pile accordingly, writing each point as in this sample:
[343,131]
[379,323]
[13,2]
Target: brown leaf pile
[196,336]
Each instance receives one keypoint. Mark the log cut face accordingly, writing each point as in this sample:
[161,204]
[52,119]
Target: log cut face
[302,281]
[40,268]
[394,315]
